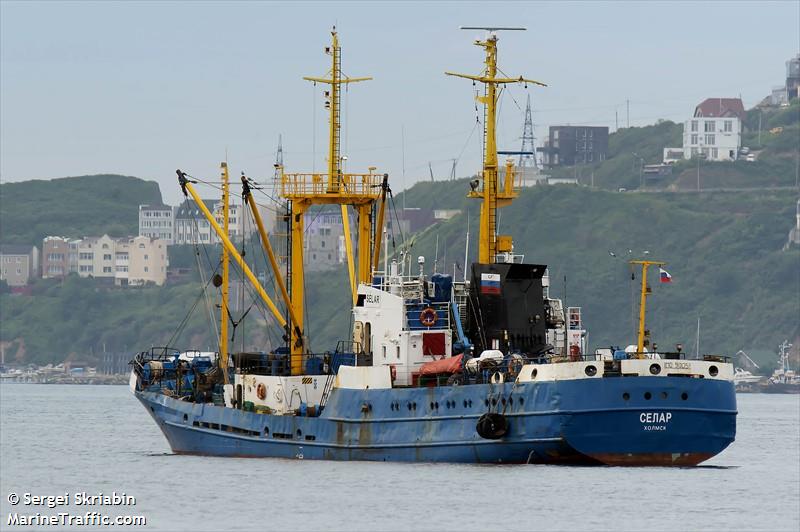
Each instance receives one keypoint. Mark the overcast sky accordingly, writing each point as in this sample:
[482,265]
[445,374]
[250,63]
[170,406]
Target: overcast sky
[143,88]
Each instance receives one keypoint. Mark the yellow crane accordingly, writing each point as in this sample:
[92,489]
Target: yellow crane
[489,243]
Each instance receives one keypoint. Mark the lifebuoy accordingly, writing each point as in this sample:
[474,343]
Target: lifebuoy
[428,317]
[261,391]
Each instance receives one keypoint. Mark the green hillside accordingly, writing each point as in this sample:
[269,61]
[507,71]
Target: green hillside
[73,206]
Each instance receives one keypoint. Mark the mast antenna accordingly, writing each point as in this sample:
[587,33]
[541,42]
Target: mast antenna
[492,196]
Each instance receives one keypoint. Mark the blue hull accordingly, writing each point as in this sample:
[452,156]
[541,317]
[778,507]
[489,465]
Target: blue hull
[684,422]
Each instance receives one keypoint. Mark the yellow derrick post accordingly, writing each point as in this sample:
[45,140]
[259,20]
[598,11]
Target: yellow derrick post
[223,308]
[297,224]
[348,246]
[491,197]
[376,250]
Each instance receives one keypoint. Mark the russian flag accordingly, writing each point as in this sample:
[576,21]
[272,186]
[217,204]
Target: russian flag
[665,276]
[490,283]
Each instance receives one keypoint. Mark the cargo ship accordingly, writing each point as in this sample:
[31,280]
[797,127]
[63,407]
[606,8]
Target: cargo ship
[486,369]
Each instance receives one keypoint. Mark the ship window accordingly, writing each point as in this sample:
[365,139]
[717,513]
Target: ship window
[398,352]
[383,349]
[368,337]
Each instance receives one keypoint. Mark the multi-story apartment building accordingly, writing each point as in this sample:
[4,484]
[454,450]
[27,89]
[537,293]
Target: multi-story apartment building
[55,257]
[147,261]
[190,226]
[571,145]
[124,261]
[18,264]
[715,131]
[793,78]
[157,221]
[324,246]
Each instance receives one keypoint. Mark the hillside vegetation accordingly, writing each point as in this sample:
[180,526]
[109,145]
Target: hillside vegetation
[777,150]
[73,206]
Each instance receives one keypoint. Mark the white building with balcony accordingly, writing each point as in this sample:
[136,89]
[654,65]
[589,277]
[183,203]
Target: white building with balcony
[715,131]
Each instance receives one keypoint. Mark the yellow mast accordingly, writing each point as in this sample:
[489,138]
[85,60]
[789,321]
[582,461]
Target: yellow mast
[223,308]
[333,188]
[335,177]
[643,338]
[489,244]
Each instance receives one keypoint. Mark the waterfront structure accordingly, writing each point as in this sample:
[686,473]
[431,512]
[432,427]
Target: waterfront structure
[157,221]
[18,264]
[571,145]
[715,131]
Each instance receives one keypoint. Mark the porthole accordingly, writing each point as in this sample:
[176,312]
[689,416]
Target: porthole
[684,396]
[626,396]
[664,395]
[409,406]
[465,403]
[431,405]
[590,371]
[713,371]
[436,405]
[655,369]
[647,396]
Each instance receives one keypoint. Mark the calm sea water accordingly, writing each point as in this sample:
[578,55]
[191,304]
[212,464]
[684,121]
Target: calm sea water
[56,439]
